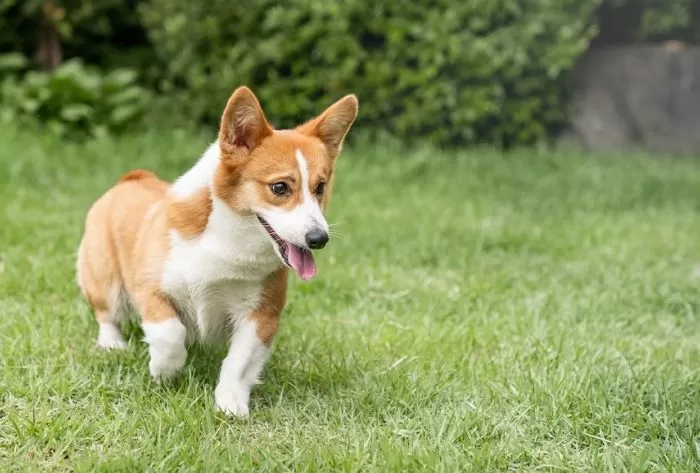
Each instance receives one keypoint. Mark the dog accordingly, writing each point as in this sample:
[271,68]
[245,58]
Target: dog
[208,255]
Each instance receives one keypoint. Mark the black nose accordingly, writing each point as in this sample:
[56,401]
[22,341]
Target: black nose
[316,239]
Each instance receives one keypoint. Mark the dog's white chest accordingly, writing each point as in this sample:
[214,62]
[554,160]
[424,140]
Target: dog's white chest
[216,279]
[210,295]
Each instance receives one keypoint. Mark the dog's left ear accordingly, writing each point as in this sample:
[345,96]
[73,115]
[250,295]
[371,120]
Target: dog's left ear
[333,124]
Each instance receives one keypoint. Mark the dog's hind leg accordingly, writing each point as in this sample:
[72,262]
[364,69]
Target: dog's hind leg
[109,320]
[101,286]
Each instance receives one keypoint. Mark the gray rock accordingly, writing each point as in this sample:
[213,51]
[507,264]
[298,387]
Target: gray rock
[644,97]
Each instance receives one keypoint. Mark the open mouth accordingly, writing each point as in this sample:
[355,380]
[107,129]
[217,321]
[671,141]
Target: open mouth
[301,260]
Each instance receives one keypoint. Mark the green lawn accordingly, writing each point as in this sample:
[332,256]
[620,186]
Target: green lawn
[481,312]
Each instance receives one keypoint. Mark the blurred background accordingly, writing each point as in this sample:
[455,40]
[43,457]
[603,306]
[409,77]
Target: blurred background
[602,74]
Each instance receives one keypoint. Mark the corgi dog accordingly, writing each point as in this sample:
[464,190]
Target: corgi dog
[208,255]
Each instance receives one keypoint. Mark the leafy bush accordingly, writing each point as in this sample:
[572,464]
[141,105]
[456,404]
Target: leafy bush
[643,21]
[101,32]
[454,71]
[73,100]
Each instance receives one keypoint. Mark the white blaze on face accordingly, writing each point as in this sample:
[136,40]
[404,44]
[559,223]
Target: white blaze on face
[293,225]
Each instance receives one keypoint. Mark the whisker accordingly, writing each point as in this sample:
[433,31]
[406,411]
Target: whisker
[336,234]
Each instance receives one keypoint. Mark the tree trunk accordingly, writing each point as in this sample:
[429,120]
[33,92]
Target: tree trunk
[49,52]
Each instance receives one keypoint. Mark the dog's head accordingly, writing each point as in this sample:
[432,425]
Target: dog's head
[282,177]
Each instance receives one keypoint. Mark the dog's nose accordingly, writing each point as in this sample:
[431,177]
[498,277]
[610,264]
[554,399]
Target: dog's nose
[316,239]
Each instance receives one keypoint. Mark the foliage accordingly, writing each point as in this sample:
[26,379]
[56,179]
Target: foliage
[453,71]
[624,21]
[663,17]
[75,99]
[101,32]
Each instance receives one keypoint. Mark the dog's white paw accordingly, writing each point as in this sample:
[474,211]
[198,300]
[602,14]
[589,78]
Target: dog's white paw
[110,338]
[167,365]
[166,345]
[111,344]
[232,400]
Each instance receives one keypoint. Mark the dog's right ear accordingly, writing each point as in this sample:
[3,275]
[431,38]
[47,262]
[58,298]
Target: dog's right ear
[243,124]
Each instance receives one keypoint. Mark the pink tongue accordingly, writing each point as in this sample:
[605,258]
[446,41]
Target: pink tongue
[302,261]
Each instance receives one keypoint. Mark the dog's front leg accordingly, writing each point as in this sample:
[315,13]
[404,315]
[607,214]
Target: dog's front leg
[249,348]
[164,333]
[241,367]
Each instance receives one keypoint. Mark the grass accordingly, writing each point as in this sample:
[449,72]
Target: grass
[482,312]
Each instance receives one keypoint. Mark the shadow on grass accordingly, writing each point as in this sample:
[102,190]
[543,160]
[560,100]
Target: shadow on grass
[300,378]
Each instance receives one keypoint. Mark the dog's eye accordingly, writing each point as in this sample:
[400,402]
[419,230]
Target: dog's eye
[279,188]
[320,188]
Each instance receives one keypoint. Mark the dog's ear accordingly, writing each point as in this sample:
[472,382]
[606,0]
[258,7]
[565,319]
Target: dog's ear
[333,124]
[243,123]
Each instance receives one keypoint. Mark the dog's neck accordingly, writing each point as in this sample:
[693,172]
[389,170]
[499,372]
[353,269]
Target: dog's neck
[200,175]
[239,239]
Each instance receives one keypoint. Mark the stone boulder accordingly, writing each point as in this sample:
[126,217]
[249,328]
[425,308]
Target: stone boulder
[637,96]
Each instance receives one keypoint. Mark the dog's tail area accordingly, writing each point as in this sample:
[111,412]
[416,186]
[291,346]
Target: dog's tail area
[136,175]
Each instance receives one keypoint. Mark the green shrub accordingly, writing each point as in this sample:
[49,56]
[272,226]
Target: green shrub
[106,33]
[74,100]
[453,71]
[642,21]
